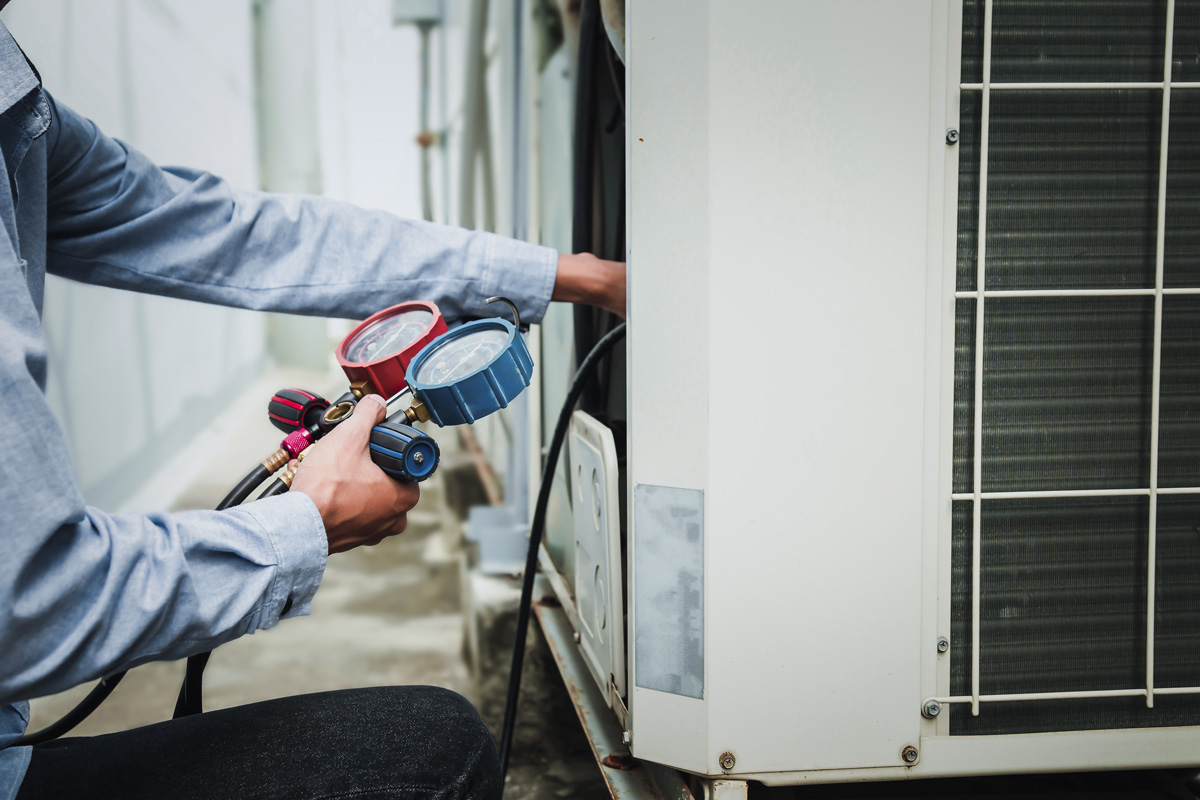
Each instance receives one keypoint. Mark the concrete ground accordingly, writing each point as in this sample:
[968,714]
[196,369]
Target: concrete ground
[390,614]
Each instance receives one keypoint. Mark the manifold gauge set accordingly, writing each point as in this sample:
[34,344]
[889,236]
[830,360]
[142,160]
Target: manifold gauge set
[452,376]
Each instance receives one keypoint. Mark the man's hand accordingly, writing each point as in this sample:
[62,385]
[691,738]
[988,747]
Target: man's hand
[359,503]
[583,278]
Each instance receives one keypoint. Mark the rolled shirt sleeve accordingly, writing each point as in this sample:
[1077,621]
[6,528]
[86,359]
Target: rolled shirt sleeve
[90,593]
[117,219]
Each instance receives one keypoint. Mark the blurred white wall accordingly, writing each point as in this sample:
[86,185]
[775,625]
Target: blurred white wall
[367,94]
[132,376]
[366,91]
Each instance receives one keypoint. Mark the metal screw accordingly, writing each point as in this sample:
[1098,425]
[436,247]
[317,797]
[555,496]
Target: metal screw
[578,638]
[419,458]
[943,644]
[626,738]
[727,760]
[952,136]
[909,754]
[931,708]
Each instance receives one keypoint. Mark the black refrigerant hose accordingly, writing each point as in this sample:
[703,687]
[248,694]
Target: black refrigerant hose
[536,528]
[76,715]
[100,692]
[245,487]
[191,693]
[278,486]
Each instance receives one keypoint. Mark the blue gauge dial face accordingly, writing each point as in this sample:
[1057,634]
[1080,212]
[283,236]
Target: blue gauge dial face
[461,356]
[388,336]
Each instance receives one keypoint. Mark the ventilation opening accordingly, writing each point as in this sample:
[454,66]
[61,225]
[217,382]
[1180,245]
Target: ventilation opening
[1077,368]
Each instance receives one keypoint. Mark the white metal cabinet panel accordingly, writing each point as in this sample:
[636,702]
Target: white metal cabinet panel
[780,179]
[818,178]
[667,235]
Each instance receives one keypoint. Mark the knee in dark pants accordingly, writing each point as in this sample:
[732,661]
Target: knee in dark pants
[407,742]
[457,747]
[481,775]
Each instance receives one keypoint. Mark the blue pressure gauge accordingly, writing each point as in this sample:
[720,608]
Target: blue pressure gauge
[471,371]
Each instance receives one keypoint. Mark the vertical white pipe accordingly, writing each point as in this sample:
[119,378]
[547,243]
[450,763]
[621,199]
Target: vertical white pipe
[476,133]
[426,30]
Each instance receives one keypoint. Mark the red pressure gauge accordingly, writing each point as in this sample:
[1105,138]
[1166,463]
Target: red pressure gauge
[376,353]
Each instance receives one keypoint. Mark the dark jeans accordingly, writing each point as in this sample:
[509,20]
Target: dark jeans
[388,742]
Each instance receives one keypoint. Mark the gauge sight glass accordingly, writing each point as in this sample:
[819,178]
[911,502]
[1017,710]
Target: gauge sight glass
[471,371]
[376,354]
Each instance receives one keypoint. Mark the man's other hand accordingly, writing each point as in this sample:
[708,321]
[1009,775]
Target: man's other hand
[583,278]
[359,503]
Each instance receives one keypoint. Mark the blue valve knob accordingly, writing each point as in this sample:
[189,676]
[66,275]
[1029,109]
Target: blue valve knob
[403,452]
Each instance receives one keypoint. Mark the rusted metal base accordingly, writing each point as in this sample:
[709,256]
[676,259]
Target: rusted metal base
[626,777]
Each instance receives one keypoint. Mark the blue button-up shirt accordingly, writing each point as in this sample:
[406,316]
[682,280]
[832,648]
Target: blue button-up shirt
[83,593]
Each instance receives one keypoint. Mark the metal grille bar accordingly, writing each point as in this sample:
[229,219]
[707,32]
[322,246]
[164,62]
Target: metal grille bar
[1159,257]
[1076,292]
[1073,493]
[977,477]
[1078,85]
[1082,695]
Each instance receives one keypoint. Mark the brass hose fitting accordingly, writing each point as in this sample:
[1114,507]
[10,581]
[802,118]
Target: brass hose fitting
[417,412]
[290,475]
[276,460]
[336,413]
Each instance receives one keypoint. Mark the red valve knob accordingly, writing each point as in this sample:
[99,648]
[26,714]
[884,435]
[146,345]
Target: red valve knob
[292,409]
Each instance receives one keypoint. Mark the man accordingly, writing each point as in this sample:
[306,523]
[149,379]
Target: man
[85,594]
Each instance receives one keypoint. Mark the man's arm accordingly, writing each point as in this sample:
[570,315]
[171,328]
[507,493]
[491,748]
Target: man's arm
[85,593]
[119,220]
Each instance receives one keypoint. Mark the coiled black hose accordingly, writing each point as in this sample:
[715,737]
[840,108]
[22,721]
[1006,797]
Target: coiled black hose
[76,715]
[536,529]
[191,693]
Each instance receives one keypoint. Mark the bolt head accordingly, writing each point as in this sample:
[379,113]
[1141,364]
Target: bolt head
[943,644]
[727,760]
[931,708]
[909,754]
[952,136]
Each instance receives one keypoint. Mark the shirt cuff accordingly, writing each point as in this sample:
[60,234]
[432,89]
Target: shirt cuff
[298,536]
[524,273]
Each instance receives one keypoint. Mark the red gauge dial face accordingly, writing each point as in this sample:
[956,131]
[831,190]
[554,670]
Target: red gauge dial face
[377,352]
[386,336]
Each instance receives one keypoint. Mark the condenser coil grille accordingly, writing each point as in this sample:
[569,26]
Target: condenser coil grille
[1076,499]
